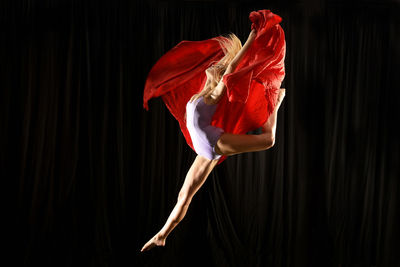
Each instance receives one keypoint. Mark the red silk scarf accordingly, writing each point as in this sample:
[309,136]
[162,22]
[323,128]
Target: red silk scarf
[251,90]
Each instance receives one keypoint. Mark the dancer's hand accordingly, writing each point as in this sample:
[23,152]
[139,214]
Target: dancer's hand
[156,240]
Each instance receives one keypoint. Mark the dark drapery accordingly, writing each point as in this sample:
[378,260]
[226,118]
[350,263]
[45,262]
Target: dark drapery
[93,175]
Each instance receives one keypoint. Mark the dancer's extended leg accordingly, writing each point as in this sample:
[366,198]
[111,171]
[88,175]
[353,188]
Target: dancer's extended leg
[230,144]
[195,178]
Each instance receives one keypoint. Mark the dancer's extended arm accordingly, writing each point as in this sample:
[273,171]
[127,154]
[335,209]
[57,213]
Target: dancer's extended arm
[220,88]
[214,94]
[242,51]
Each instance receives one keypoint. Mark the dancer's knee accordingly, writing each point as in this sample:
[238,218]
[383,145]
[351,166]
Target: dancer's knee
[269,141]
[218,149]
[223,147]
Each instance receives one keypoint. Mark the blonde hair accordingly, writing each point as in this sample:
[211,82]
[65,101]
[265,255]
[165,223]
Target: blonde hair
[231,45]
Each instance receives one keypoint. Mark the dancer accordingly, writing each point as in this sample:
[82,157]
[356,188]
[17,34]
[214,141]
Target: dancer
[260,66]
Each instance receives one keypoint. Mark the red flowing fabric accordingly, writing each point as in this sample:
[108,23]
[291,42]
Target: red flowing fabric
[251,90]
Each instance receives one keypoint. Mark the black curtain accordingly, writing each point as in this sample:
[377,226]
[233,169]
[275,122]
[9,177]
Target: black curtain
[93,176]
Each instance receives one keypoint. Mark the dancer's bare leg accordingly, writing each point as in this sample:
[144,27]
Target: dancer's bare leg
[195,178]
[230,144]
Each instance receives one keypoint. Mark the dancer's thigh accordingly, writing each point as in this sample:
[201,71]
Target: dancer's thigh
[229,144]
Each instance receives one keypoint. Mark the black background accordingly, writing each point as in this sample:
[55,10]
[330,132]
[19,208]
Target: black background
[92,176]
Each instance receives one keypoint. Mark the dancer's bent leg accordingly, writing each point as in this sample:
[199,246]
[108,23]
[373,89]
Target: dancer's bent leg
[231,144]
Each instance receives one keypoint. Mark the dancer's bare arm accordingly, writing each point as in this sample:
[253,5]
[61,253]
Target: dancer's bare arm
[242,51]
[219,90]
[214,95]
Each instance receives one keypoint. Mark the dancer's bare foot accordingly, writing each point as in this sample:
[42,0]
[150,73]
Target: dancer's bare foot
[156,240]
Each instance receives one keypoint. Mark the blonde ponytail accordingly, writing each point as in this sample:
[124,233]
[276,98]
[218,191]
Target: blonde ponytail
[231,45]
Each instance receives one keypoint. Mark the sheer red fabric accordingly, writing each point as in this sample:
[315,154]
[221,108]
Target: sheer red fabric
[252,89]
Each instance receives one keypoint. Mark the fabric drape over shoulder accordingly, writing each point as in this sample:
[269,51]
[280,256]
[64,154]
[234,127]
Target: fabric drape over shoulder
[252,89]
